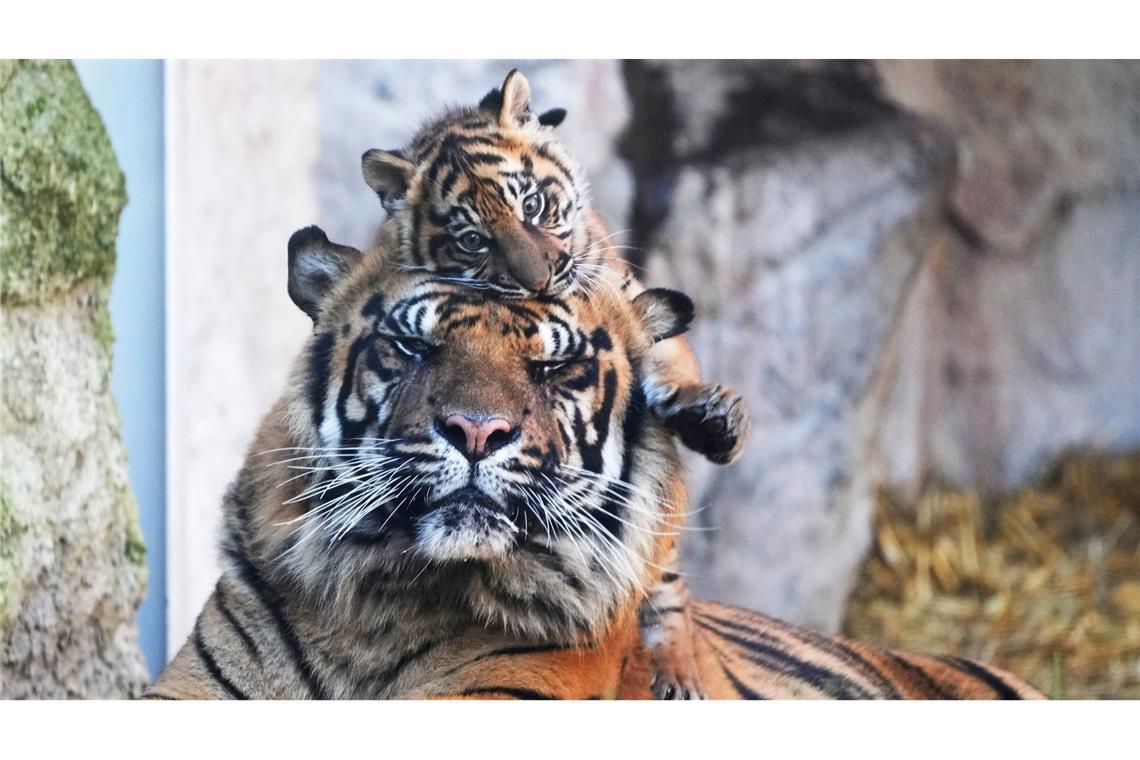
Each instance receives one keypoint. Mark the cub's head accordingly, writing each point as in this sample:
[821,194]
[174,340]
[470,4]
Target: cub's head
[489,197]
[490,456]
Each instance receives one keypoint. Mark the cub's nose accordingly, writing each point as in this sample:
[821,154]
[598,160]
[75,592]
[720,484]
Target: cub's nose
[476,435]
[542,286]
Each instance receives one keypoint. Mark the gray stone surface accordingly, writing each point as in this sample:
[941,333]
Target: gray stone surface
[798,258]
[956,301]
[1020,337]
[71,555]
[1032,136]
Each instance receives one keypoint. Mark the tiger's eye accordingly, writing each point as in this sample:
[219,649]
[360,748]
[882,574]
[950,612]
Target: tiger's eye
[472,242]
[532,205]
[541,371]
[412,347]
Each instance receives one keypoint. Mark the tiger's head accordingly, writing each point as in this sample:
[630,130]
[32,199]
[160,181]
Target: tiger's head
[488,196]
[491,457]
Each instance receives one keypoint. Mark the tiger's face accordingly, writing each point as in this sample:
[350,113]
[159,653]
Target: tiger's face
[495,451]
[489,198]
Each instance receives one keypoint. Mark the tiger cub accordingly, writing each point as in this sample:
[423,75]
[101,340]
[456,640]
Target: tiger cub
[487,197]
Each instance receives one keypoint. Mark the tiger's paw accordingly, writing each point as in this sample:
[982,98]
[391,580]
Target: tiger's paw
[712,420]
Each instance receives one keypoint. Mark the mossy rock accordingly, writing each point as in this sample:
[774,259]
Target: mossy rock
[61,189]
[72,559]
[8,530]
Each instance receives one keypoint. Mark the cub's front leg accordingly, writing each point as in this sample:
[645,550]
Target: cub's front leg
[666,632]
[710,419]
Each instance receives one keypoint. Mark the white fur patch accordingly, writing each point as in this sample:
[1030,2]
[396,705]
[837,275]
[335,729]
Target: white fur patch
[464,531]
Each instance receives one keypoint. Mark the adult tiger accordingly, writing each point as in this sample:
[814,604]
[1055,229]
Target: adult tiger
[466,498]
[489,197]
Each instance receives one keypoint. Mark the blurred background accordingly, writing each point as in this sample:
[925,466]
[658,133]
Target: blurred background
[924,276]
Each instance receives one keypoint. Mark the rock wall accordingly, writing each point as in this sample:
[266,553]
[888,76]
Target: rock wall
[795,206]
[915,271]
[72,567]
[1019,339]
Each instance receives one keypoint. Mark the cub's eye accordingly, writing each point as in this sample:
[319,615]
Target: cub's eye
[413,347]
[533,205]
[472,242]
[540,372]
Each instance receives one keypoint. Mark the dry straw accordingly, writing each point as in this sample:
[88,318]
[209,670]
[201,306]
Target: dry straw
[1044,582]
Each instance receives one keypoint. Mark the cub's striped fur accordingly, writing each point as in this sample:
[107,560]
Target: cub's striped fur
[488,197]
[462,496]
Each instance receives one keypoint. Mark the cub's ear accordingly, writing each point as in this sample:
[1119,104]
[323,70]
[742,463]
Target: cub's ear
[515,107]
[665,312]
[315,267]
[388,174]
[552,118]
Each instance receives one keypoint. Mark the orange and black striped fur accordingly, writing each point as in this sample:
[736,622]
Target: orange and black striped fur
[458,495]
[489,198]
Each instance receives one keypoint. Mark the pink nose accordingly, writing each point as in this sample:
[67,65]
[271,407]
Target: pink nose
[477,436]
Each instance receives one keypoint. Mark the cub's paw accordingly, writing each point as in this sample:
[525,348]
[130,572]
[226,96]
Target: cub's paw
[675,686]
[709,419]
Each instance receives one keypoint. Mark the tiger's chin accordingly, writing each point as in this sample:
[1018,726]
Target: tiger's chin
[465,527]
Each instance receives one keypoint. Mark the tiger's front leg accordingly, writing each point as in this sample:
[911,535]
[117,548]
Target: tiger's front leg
[666,632]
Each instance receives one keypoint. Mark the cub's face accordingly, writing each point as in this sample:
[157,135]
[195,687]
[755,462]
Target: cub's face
[497,451]
[490,198]
[501,212]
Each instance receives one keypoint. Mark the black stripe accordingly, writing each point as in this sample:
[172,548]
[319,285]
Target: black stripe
[268,598]
[507,691]
[212,665]
[320,357]
[224,608]
[482,157]
[850,657]
[668,610]
[633,425]
[828,681]
[569,175]
[1000,687]
[508,652]
[741,688]
[392,673]
[931,687]
[449,181]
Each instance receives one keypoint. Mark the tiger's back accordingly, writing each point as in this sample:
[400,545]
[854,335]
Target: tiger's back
[740,654]
[747,655]
[240,649]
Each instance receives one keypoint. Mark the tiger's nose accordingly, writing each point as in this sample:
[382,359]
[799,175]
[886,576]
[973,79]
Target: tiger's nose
[476,435]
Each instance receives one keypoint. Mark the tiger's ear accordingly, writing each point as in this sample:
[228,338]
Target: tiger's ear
[388,174]
[515,107]
[665,313]
[552,118]
[315,267]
